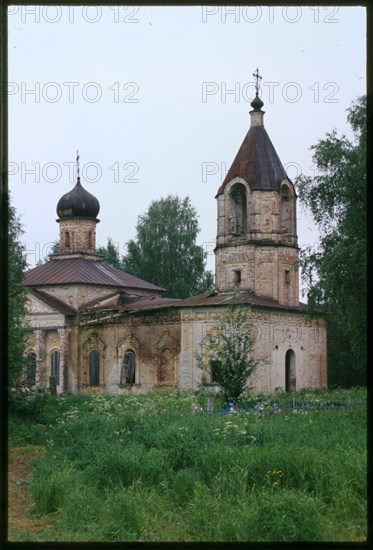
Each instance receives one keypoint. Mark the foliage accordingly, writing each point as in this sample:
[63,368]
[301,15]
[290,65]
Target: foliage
[229,351]
[165,252]
[16,299]
[110,254]
[336,271]
[55,249]
[143,468]
[28,402]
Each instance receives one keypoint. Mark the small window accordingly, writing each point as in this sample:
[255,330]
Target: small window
[94,368]
[31,369]
[237,277]
[55,368]
[287,276]
[89,239]
[128,368]
[67,239]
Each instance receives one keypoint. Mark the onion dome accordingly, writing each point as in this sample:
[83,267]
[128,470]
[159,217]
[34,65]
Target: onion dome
[78,203]
[257,103]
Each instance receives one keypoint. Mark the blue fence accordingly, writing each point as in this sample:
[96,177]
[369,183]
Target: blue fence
[273,405]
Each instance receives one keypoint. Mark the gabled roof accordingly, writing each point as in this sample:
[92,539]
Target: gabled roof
[59,272]
[52,301]
[257,163]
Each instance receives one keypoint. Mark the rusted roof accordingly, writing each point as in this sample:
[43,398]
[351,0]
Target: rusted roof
[257,163]
[58,272]
[122,302]
[215,298]
[52,301]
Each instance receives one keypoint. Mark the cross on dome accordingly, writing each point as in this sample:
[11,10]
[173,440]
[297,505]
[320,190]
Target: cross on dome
[257,103]
[257,77]
[77,162]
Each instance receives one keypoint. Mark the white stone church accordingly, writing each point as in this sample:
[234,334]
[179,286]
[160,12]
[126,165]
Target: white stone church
[93,327]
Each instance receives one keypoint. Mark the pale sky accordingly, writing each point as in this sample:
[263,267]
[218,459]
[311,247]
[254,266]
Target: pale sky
[156,99]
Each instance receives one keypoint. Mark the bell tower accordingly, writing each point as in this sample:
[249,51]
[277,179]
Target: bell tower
[256,243]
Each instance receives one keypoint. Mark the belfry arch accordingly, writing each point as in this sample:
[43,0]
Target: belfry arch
[287,211]
[237,209]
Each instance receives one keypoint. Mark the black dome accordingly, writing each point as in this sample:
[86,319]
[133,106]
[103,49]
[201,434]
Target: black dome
[78,203]
[257,103]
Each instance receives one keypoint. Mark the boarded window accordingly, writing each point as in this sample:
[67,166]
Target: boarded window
[31,369]
[55,368]
[128,368]
[67,239]
[94,368]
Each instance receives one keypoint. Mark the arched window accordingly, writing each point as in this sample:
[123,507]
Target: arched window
[128,370]
[290,374]
[31,369]
[55,368]
[94,368]
[166,368]
[238,209]
[67,239]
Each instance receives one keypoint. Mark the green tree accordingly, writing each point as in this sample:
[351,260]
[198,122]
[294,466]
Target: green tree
[228,352]
[165,252]
[111,254]
[16,299]
[55,249]
[336,271]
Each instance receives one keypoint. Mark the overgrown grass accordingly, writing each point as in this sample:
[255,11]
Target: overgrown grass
[151,468]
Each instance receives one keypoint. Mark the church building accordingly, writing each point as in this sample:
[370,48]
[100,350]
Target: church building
[92,327]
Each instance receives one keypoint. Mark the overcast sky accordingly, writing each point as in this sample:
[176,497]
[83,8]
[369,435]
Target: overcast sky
[156,99]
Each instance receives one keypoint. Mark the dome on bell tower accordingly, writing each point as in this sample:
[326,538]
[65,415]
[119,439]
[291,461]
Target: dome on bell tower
[78,203]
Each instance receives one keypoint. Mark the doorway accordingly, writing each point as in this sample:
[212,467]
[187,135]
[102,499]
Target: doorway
[290,375]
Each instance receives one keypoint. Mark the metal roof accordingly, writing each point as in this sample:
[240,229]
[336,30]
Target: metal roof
[58,272]
[257,163]
[243,297]
[78,203]
[122,302]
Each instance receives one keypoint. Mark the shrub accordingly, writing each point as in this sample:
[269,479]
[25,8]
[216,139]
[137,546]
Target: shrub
[28,402]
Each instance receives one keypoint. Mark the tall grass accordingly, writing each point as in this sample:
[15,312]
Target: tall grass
[149,468]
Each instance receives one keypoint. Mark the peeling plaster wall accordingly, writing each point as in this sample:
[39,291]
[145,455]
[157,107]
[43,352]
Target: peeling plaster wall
[276,333]
[146,335]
